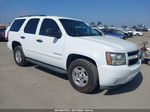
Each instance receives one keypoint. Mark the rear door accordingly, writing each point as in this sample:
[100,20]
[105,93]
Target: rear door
[29,37]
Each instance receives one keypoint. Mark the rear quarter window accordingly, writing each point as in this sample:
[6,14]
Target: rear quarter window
[17,25]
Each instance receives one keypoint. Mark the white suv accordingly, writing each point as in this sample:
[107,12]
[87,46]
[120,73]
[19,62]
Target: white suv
[70,46]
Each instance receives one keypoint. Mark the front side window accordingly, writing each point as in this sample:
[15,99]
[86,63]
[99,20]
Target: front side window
[31,26]
[17,25]
[77,28]
[49,28]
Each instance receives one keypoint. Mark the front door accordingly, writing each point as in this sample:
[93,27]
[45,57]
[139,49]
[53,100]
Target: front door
[49,48]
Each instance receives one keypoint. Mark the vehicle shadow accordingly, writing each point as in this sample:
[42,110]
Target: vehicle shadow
[3,41]
[131,86]
[63,76]
[96,91]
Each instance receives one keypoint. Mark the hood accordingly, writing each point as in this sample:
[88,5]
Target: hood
[114,43]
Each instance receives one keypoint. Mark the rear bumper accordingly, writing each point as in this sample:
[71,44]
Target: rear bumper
[110,76]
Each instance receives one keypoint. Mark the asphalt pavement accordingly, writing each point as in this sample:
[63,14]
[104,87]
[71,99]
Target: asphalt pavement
[34,87]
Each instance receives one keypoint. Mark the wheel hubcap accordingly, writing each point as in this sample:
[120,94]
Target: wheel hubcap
[18,56]
[80,76]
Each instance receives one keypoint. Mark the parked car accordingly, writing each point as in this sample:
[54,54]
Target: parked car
[144,29]
[98,32]
[6,33]
[136,33]
[2,34]
[113,32]
[141,29]
[70,46]
[127,33]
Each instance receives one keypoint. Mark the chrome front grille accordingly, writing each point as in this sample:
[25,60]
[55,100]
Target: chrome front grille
[133,57]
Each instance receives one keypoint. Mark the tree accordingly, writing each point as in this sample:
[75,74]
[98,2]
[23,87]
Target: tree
[106,26]
[95,24]
[92,24]
[134,27]
[124,27]
[99,23]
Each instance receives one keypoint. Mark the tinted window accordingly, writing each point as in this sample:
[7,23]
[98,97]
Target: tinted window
[97,32]
[17,25]
[49,27]
[77,28]
[31,26]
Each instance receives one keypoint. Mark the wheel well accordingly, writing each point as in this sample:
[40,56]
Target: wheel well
[73,57]
[15,44]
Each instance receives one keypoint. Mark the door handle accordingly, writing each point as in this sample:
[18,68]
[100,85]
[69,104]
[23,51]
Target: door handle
[40,41]
[22,37]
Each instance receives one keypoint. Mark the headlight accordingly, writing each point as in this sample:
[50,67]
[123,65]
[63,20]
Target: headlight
[116,58]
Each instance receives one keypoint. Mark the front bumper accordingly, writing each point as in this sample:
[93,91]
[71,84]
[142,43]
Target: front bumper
[110,76]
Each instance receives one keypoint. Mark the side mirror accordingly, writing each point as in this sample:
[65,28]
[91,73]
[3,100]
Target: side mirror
[53,33]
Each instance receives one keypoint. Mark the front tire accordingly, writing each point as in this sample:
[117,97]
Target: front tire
[83,75]
[19,56]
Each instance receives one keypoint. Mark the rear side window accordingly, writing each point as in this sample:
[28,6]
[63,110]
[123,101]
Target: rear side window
[17,25]
[31,26]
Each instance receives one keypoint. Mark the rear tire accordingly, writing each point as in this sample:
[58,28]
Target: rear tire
[19,56]
[83,75]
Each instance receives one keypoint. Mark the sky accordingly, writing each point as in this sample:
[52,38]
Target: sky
[110,12]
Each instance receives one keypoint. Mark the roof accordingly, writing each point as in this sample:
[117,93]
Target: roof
[44,16]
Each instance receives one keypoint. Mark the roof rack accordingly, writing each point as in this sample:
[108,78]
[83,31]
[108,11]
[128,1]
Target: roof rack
[32,15]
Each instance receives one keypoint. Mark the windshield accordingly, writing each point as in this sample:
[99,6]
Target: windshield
[77,28]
